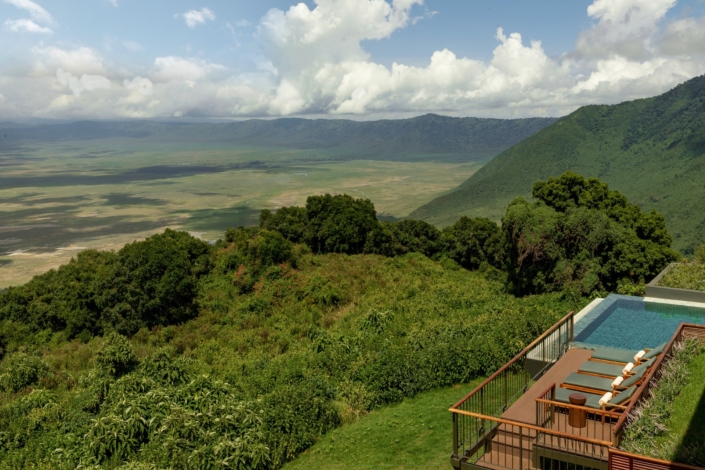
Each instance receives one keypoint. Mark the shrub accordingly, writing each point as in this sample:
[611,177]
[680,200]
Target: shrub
[22,370]
[291,222]
[116,357]
[339,224]
[700,254]
[146,283]
[471,242]
[413,236]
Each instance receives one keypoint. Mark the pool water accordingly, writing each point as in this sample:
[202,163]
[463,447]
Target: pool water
[626,322]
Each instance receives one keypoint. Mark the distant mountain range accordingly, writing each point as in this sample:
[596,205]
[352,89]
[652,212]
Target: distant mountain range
[426,137]
[652,150]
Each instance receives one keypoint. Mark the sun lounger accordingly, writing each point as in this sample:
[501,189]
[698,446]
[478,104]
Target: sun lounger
[623,356]
[605,369]
[588,383]
[594,384]
[618,401]
[602,369]
[612,355]
[652,353]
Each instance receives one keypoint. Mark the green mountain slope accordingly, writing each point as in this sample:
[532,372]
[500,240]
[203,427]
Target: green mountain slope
[421,137]
[652,150]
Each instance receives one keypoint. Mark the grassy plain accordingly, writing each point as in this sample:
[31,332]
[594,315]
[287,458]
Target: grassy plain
[411,435]
[59,198]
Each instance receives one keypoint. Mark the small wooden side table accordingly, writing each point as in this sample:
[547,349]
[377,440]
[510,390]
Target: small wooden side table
[577,418]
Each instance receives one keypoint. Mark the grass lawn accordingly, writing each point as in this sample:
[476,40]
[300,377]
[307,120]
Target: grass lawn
[687,422]
[416,433]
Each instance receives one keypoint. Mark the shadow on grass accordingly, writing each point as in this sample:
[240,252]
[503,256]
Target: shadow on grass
[123,199]
[691,449]
[222,219]
[5,262]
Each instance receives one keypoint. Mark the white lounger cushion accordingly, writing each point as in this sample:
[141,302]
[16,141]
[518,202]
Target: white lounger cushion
[628,368]
[617,381]
[639,355]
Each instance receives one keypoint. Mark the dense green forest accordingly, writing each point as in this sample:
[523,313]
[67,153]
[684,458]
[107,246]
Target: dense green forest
[172,353]
[652,150]
[424,137]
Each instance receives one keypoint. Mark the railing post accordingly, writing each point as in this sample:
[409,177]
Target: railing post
[455,434]
[521,448]
[572,328]
[505,391]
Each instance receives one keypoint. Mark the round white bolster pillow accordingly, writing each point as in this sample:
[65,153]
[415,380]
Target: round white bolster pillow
[628,368]
[605,398]
[617,381]
[639,355]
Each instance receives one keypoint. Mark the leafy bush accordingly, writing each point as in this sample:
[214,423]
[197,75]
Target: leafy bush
[700,254]
[116,357]
[471,242]
[22,370]
[685,276]
[339,224]
[412,236]
[147,283]
[291,222]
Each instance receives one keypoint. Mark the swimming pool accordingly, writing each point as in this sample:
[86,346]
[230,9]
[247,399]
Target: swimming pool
[625,322]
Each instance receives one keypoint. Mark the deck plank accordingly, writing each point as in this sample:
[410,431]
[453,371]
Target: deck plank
[524,409]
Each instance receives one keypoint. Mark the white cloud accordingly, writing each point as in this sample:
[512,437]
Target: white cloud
[114,3]
[35,11]
[79,61]
[26,25]
[141,85]
[624,27]
[684,37]
[312,61]
[84,83]
[178,68]
[132,46]
[195,17]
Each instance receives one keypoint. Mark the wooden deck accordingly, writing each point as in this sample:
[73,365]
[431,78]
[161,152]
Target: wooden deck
[524,409]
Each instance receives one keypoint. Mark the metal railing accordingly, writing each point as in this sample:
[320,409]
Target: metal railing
[471,428]
[581,423]
[518,446]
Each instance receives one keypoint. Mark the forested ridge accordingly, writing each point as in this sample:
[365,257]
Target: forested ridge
[424,137]
[652,150]
[172,353]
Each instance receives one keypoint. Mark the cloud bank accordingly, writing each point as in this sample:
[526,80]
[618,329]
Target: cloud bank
[314,64]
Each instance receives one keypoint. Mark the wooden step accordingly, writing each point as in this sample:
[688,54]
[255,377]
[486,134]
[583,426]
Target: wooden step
[498,460]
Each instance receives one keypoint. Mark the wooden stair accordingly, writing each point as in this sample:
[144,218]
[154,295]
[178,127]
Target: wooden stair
[509,450]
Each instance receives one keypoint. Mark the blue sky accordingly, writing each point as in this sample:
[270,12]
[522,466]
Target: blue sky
[361,59]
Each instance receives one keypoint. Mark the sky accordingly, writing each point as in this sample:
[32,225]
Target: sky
[353,59]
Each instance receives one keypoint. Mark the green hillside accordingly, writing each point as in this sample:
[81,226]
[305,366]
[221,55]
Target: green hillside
[412,435]
[430,136]
[652,150]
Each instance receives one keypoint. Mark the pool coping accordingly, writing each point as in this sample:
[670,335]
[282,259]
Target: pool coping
[653,291]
